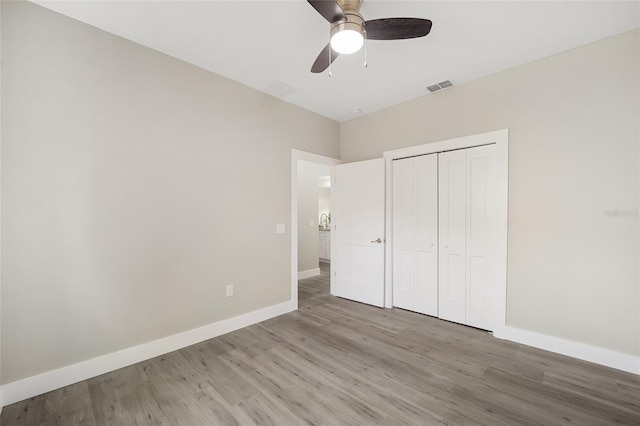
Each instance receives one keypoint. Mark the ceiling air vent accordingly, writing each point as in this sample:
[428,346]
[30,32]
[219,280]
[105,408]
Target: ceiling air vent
[441,85]
[279,89]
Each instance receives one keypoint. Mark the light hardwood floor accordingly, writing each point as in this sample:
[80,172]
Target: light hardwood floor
[339,362]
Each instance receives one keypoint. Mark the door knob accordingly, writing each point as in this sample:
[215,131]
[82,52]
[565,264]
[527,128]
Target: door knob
[444,246]
[379,240]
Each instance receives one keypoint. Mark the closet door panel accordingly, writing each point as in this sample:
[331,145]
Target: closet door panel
[403,234]
[479,230]
[426,234]
[452,236]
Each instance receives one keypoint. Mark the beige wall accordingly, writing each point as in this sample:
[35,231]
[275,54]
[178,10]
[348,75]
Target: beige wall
[135,187]
[308,197]
[573,161]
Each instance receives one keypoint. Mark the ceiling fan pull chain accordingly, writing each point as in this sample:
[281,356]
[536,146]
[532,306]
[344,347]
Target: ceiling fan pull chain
[365,49]
[330,52]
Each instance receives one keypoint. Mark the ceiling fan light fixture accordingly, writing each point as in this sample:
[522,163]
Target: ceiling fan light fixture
[347,42]
[347,36]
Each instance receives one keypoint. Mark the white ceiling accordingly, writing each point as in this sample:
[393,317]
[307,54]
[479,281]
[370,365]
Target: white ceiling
[259,42]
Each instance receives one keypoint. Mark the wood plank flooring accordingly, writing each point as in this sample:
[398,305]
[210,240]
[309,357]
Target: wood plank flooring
[336,362]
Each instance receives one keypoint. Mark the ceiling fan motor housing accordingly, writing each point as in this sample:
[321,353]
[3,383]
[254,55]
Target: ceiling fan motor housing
[351,22]
[350,6]
[352,18]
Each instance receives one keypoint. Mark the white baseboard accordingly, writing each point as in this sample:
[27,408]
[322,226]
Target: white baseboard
[597,355]
[55,379]
[308,274]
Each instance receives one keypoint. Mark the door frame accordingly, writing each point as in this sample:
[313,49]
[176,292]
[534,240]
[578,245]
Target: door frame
[314,158]
[501,140]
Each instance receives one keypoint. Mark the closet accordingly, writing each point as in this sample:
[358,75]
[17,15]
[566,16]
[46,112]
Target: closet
[443,235]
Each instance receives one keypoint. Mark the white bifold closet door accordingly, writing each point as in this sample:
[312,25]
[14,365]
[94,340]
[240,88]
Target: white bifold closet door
[466,236]
[453,238]
[444,235]
[415,234]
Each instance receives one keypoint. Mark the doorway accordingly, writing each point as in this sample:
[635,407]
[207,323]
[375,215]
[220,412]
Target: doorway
[307,211]
[314,217]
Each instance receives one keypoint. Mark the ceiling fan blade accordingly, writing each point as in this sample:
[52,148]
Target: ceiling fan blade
[397,28]
[329,9]
[324,59]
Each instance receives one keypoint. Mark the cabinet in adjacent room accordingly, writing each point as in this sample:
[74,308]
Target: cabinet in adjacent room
[324,245]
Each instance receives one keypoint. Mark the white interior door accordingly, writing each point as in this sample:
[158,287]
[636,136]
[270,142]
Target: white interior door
[426,178]
[357,199]
[452,233]
[481,231]
[404,234]
[467,224]
[415,234]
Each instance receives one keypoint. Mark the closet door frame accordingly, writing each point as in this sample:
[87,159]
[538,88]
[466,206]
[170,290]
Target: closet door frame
[499,138]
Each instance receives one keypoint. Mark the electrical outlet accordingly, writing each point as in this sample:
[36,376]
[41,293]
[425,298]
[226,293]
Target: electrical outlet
[230,290]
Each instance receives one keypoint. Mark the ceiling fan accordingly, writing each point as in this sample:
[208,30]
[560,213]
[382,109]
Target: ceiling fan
[349,29]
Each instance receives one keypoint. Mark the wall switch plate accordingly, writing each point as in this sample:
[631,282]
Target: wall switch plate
[229,290]
[280,228]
